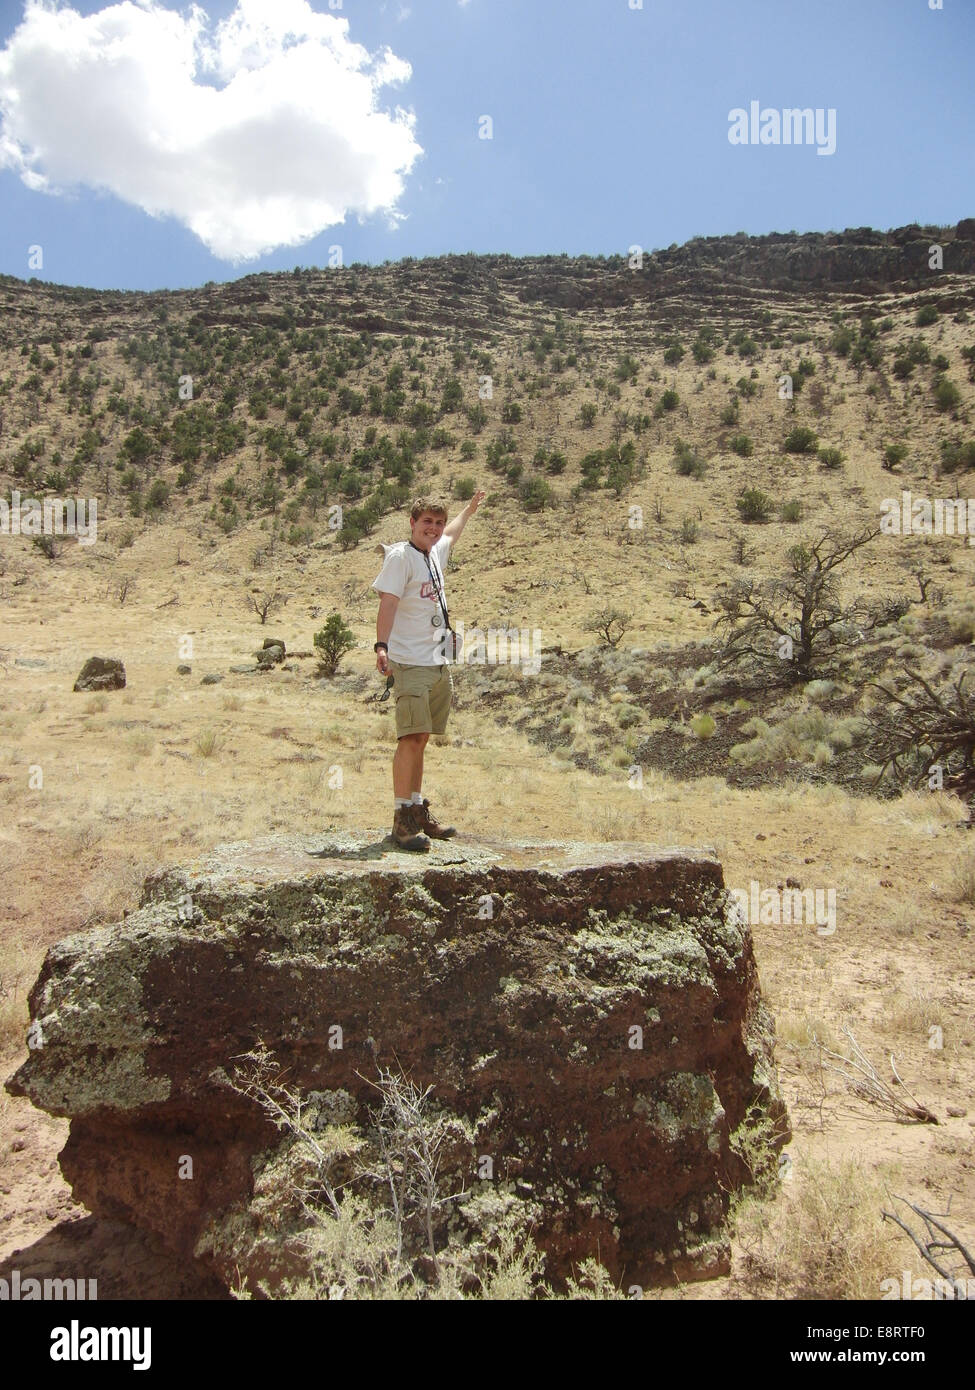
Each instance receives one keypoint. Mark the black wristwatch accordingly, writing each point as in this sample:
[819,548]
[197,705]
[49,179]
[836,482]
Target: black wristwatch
[377,645]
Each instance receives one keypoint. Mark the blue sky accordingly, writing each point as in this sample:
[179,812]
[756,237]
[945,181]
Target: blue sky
[610,129]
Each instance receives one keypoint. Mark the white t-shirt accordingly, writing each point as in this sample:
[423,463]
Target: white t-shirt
[414,641]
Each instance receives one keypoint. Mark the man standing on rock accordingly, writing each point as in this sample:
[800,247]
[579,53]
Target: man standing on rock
[414,645]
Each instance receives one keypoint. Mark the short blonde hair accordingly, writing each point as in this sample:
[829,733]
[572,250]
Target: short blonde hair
[422,505]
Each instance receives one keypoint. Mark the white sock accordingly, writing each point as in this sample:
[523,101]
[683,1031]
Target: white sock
[417,798]
[401,801]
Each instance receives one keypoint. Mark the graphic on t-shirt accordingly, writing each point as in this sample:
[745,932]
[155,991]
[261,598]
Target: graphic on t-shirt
[406,572]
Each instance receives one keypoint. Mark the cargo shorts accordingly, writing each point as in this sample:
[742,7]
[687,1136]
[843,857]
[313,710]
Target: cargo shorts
[423,695]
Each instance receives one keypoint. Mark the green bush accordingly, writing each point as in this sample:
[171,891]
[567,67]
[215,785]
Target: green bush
[729,413]
[158,496]
[754,505]
[688,531]
[831,458]
[673,355]
[946,394]
[956,456]
[453,397]
[688,462]
[926,315]
[332,642]
[536,494]
[801,440]
[464,489]
[842,341]
[894,455]
[741,445]
[791,511]
[627,368]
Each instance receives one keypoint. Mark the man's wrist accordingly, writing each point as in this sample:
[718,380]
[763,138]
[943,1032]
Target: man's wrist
[377,645]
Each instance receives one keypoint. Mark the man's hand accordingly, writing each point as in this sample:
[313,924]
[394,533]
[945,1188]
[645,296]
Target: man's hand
[382,662]
[476,501]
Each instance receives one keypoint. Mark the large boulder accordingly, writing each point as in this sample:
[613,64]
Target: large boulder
[589,1017]
[101,673]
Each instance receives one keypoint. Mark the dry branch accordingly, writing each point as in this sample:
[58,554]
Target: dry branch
[864,1080]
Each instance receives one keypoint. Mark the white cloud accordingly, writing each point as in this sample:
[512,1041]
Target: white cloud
[255,133]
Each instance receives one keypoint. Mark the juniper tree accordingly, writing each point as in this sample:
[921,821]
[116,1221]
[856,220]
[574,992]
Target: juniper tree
[787,624]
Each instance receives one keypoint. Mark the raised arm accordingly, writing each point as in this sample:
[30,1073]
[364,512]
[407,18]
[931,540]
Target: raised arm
[463,517]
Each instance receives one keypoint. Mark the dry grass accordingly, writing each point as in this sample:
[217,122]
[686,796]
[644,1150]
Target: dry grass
[824,1237]
[961,884]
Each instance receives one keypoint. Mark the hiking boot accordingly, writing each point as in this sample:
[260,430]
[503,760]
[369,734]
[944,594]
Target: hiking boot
[427,822]
[406,830]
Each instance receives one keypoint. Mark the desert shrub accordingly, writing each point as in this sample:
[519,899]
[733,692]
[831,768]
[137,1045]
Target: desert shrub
[946,394]
[332,642]
[801,440]
[791,511]
[688,462]
[536,495]
[795,738]
[754,505]
[819,690]
[842,341]
[824,1238]
[452,398]
[158,496]
[741,445]
[831,458]
[957,456]
[926,315]
[702,352]
[627,368]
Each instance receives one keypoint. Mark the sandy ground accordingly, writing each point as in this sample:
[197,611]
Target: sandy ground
[128,784]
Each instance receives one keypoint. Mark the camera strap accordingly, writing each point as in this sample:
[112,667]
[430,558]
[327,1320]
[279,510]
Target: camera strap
[438,587]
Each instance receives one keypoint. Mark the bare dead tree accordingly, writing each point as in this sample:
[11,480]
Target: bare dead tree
[925,731]
[787,624]
[410,1139]
[257,1077]
[267,603]
[611,624]
[582,577]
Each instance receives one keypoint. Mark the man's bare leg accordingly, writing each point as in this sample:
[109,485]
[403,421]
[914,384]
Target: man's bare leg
[408,765]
